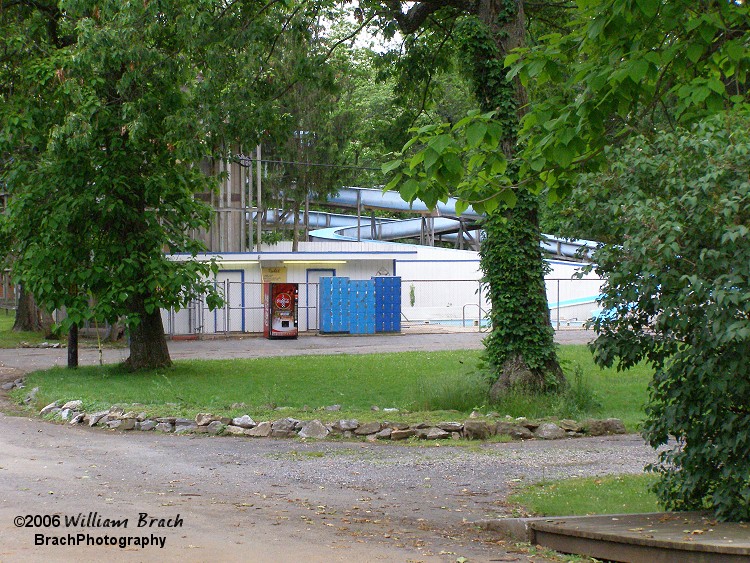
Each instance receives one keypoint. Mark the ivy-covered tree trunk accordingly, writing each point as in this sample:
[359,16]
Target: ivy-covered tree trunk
[148,343]
[521,346]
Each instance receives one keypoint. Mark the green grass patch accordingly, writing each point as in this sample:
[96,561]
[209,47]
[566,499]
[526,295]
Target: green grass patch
[430,386]
[621,494]
[594,392]
[11,339]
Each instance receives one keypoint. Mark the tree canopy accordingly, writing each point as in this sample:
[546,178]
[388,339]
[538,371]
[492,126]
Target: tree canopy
[106,110]
[654,107]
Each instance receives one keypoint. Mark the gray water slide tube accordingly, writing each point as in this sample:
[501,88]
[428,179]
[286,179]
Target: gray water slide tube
[444,221]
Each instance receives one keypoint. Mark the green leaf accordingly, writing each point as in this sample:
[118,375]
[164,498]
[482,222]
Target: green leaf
[409,189]
[430,158]
[440,143]
[695,52]
[389,167]
[475,133]
[638,70]
[648,7]
[461,206]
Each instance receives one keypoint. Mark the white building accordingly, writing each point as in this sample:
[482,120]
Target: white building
[439,285]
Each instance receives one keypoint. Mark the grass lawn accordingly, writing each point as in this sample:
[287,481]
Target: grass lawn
[622,494]
[10,339]
[430,385]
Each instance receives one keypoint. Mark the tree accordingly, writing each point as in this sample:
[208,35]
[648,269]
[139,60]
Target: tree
[677,294]
[521,346]
[655,106]
[99,130]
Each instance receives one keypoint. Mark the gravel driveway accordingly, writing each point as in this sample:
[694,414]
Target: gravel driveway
[242,499]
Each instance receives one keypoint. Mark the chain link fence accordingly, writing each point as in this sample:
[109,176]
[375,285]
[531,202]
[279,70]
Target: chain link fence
[458,303]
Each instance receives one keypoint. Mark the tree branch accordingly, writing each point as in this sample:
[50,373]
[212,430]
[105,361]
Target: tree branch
[411,20]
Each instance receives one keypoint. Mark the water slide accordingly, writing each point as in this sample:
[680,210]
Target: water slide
[443,221]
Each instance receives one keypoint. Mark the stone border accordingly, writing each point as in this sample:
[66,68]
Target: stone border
[474,428]
[206,423]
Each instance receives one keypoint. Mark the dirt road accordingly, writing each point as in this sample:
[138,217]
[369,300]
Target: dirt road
[240,499]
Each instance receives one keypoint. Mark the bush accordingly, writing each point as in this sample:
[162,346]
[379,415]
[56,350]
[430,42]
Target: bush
[679,288]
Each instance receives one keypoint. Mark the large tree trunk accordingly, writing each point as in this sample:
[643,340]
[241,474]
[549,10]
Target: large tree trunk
[148,343]
[29,317]
[521,346]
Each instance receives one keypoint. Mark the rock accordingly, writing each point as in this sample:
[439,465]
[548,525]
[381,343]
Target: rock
[284,428]
[31,397]
[550,431]
[204,418]
[348,434]
[478,429]
[436,434]
[451,426]
[333,408]
[263,430]
[368,428]
[521,433]
[371,437]
[526,423]
[492,414]
[64,413]
[215,427]
[384,434]
[8,386]
[455,435]
[130,414]
[78,418]
[420,425]
[374,408]
[397,425]
[185,428]
[344,425]
[49,408]
[569,425]
[595,427]
[183,422]
[243,421]
[122,423]
[116,410]
[398,434]
[615,426]
[146,425]
[390,409]
[232,430]
[164,426]
[166,419]
[314,429]
[94,418]
[504,428]
[141,417]
[237,406]
[475,414]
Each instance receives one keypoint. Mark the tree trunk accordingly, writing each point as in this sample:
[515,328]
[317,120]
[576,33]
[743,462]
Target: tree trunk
[521,346]
[148,343]
[29,317]
[295,231]
[73,347]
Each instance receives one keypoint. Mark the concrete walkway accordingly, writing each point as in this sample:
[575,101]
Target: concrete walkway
[428,338]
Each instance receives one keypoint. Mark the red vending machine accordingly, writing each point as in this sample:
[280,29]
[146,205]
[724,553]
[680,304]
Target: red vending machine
[280,310]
